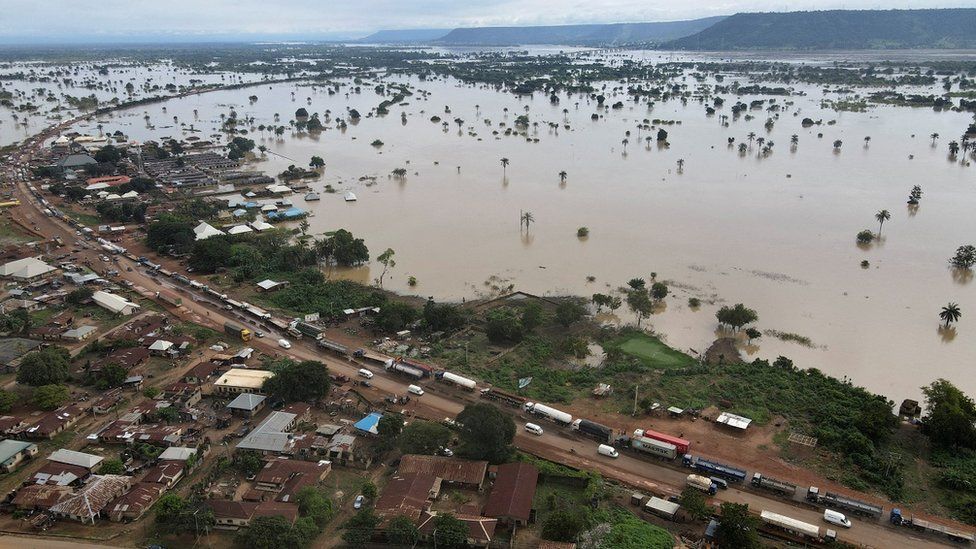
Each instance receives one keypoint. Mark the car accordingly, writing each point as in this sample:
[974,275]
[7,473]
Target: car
[534,429]
[358,502]
[446,452]
[284,344]
[258,333]
[415,389]
[363,372]
[834,517]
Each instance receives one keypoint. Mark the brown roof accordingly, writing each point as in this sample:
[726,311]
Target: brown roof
[278,471]
[51,422]
[40,496]
[53,472]
[546,544]
[406,494]
[164,472]
[127,357]
[9,422]
[480,529]
[94,496]
[203,370]
[136,501]
[275,509]
[231,509]
[449,469]
[511,495]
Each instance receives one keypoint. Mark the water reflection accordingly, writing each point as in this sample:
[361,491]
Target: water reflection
[947,334]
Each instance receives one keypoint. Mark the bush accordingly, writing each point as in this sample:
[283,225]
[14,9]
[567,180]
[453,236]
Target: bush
[45,367]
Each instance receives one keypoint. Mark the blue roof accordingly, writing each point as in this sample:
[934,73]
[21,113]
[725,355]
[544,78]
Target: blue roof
[290,213]
[368,424]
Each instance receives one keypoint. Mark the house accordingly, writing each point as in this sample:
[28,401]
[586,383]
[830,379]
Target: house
[233,515]
[407,494]
[166,473]
[40,497]
[28,305]
[13,452]
[177,453]
[110,180]
[12,424]
[28,268]
[286,477]
[75,161]
[246,404]
[512,493]
[182,393]
[160,347]
[71,457]
[481,530]
[204,231]
[114,303]
[133,504]
[269,285]
[60,474]
[460,472]
[200,372]
[80,333]
[54,422]
[86,504]
[126,357]
[273,436]
[120,432]
[240,380]
[341,448]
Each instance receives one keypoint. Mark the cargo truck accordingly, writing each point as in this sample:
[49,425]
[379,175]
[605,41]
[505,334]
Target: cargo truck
[768,483]
[174,300]
[594,430]
[402,368]
[704,484]
[681,444]
[491,393]
[714,468]
[454,379]
[542,410]
[930,527]
[653,447]
[309,330]
[830,499]
[237,331]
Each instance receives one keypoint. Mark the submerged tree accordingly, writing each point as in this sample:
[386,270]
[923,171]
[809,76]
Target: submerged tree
[882,216]
[950,313]
[504,165]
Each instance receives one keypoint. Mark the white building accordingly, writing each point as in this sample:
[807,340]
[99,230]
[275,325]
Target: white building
[114,303]
[28,268]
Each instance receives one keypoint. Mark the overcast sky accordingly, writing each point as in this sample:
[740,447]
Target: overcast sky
[73,20]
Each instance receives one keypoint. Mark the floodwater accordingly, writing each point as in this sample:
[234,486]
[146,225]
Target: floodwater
[776,233]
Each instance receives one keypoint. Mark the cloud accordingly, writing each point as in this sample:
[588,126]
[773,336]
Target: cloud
[69,19]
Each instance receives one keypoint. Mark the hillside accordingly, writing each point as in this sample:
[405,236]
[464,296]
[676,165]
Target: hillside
[404,36]
[837,30]
[608,34]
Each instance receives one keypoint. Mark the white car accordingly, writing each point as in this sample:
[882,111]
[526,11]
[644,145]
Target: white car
[358,503]
[284,344]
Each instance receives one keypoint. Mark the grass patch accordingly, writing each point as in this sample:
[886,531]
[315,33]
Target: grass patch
[790,337]
[10,233]
[651,350]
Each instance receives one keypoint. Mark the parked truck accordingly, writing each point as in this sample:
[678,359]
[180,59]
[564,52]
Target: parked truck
[491,393]
[830,499]
[922,525]
[335,347]
[704,484]
[653,447]
[681,444]
[173,300]
[309,330]
[714,468]
[768,483]
[542,410]
[403,368]
[237,331]
[594,430]
[454,379]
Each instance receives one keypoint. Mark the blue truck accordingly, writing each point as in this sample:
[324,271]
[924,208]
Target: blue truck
[714,468]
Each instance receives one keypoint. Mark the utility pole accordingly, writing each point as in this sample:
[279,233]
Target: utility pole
[636,387]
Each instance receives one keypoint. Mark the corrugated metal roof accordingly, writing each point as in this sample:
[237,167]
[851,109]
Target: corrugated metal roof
[511,496]
[71,457]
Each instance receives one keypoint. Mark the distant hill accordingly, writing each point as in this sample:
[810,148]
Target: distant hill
[404,36]
[837,30]
[588,35]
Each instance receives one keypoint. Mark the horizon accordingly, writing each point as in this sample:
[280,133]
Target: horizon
[246,22]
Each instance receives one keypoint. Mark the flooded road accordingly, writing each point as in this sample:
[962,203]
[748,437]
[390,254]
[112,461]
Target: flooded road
[775,232]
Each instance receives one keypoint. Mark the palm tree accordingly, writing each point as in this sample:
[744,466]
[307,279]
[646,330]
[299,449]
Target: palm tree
[794,140]
[526,219]
[504,165]
[681,164]
[882,216]
[953,148]
[934,136]
[751,136]
[950,313]
[562,176]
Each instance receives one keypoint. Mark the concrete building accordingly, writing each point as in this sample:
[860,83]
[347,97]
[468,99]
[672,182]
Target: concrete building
[13,452]
[241,380]
[28,268]
[246,404]
[114,303]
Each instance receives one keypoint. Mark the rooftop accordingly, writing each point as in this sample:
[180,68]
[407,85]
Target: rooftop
[112,302]
[270,434]
[246,401]
[513,491]
[26,268]
[241,377]
[71,457]
[447,468]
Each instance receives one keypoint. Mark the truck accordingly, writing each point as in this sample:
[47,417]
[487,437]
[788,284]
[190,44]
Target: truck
[898,519]
[653,447]
[309,330]
[704,484]
[592,429]
[661,507]
[681,444]
[258,312]
[831,499]
[714,468]
[337,348]
[237,331]
[402,368]
[542,410]
[454,379]
[789,528]
[491,393]
[174,300]
[782,488]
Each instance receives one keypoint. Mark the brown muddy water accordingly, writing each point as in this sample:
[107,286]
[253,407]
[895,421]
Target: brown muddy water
[775,233]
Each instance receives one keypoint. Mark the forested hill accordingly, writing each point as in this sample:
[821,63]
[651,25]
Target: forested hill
[404,36]
[589,35]
[837,30]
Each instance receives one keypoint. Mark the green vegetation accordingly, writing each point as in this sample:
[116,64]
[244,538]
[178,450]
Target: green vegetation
[424,437]
[45,367]
[649,349]
[486,433]
[50,397]
[306,381]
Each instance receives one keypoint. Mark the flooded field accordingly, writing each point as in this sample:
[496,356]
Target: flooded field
[774,231]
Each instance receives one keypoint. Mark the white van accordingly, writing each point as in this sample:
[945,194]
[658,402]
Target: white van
[533,428]
[365,373]
[833,517]
[284,344]
[607,450]
[415,389]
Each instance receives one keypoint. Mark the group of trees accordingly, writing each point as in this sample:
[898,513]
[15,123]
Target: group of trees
[736,317]
[315,511]
[642,299]
[512,324]
[950,421]
[609,301]
[306,381]
[484,432]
